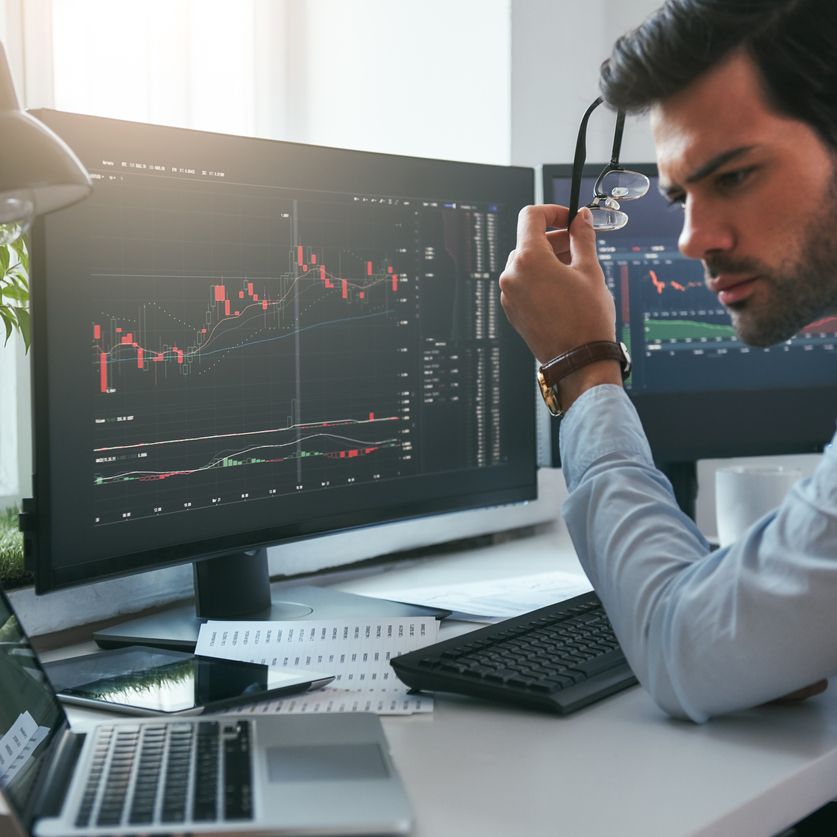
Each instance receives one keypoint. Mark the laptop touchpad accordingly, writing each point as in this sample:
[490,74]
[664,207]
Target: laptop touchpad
[316,763]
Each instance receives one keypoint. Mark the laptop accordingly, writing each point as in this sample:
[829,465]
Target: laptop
[294,775]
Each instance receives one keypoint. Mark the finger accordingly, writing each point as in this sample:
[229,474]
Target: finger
[534,221]
[803,694]
[560,241]
[583,240]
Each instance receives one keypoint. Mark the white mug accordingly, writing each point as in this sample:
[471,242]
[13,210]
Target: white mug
[744,493]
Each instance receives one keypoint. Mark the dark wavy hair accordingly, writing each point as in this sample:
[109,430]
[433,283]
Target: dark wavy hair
[793,44]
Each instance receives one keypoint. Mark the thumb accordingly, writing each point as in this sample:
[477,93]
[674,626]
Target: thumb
[582,239]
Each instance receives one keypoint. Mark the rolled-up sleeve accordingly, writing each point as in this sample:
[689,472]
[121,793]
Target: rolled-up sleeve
[706,632]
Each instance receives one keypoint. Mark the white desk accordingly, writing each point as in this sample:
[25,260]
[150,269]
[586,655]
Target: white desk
[619,767]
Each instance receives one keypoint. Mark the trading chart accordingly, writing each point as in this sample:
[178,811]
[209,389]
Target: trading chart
[250,342]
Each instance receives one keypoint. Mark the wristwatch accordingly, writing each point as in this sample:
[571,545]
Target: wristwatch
[555,370]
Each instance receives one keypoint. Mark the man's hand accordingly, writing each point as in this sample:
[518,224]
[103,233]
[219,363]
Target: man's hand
[553,290]
[803,694]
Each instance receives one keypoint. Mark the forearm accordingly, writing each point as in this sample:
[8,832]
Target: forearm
[705,632]
[629,534]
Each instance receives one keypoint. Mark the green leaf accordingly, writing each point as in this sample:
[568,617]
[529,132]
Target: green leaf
[7,322]
[5,255]
[16,293]
[21,247]
[17,275]
[23,326]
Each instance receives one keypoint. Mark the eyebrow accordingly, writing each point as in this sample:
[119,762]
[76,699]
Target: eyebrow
[707,168]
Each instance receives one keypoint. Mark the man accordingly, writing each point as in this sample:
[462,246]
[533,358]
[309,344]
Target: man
[743,104]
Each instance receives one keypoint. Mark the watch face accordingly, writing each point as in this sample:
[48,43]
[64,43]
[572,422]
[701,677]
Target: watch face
[549,396]
[627,364]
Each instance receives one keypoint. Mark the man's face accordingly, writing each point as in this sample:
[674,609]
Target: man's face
[759,193]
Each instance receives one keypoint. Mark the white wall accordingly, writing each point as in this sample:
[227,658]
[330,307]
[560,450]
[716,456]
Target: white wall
[408,58]
[557,48]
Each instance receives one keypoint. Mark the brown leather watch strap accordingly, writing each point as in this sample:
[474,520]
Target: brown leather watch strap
[570,361]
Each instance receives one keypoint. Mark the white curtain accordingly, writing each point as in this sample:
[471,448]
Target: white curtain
[15,435]
[11,476]
[430,78]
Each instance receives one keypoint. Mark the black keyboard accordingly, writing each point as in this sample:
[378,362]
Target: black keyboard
[560,657]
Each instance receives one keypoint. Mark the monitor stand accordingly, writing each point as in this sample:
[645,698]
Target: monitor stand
[237,587]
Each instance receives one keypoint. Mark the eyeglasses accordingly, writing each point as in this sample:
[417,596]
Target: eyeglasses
[613,185]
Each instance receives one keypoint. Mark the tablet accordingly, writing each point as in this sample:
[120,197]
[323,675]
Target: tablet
[149,681]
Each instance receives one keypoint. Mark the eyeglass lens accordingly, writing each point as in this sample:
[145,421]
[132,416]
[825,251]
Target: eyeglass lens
[606,218]
[621,184]
[615,185]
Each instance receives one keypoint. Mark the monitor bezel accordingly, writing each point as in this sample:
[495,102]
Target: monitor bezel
[39,548]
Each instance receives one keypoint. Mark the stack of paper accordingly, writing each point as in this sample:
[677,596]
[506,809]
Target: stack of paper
[357,653]
[493,599]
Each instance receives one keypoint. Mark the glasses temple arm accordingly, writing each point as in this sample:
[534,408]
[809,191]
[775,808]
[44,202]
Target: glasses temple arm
[578,161]
[617,139]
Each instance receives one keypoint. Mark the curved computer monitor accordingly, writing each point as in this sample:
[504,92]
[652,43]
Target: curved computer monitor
[241,342]
[700,392]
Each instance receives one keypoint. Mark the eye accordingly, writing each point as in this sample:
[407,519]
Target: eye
[675,199]
[730,180]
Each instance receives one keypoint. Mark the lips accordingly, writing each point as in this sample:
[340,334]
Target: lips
[732,289]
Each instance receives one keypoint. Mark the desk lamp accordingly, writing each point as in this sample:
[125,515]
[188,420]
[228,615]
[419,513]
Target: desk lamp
[38,172]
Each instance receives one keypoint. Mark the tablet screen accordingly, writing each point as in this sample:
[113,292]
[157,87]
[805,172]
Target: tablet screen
[155,680]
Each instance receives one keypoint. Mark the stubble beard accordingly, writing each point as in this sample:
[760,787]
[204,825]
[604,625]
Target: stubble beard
[800,290]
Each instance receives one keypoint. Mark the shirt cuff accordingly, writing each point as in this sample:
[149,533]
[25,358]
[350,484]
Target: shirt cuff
[601,422]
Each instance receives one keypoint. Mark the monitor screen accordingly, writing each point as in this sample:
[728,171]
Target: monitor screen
[700,391]
[239,342]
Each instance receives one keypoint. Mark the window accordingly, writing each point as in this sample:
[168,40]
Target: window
[429,78]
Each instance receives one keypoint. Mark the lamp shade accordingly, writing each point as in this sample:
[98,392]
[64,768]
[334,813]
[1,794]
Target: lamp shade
[38,171]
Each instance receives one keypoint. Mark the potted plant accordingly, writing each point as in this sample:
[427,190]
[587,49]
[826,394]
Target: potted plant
[14,314]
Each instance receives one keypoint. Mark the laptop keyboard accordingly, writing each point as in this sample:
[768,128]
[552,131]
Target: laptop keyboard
[560,658]
[168,773]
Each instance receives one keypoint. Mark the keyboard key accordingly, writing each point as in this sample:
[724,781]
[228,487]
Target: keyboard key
[602,663]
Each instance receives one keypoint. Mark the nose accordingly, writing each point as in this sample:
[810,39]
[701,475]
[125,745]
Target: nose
[705,230]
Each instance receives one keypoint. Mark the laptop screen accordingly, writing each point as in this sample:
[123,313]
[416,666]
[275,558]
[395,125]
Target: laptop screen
[30,714]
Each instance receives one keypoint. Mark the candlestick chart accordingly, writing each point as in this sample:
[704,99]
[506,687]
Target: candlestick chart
[237,315]
[304,342]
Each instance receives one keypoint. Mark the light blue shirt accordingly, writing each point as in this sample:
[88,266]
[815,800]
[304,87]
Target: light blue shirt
[705,631]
